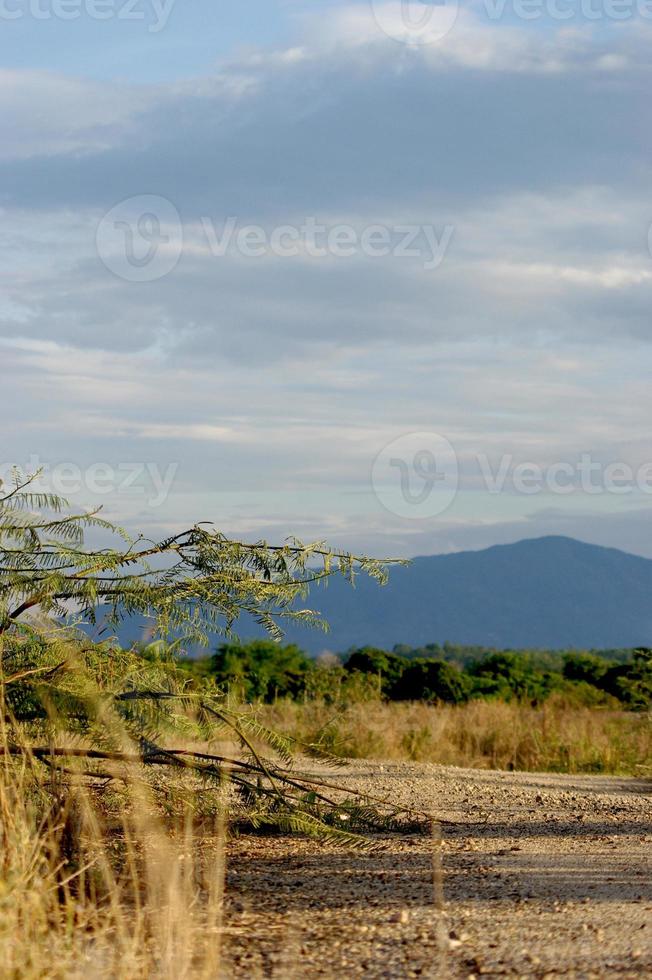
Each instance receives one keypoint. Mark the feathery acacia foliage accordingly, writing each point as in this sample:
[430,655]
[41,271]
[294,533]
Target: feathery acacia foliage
[194,583]
[112,708]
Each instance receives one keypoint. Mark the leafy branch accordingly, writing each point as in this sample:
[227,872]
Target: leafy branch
[122,709]
[196,583]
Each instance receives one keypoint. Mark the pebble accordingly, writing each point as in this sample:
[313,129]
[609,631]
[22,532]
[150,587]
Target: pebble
[381,918]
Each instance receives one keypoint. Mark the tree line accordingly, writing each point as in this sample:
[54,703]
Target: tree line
[263,671]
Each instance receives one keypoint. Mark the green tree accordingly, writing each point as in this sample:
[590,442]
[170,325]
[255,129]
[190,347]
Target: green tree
[193,584]
[432,680]
[631,683]
[586,667]
[261,670]
[511,676]
[387,667]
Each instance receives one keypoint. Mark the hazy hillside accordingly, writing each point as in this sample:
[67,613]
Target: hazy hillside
[548,592]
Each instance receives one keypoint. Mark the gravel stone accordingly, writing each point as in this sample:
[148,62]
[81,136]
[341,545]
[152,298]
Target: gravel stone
[530,890]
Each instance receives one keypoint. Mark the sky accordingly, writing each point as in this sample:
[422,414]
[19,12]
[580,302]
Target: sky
[378,273]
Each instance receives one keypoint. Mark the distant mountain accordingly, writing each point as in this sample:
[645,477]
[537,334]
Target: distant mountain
[551,592]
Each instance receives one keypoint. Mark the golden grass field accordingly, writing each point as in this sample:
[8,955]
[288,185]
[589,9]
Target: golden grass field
[555,737]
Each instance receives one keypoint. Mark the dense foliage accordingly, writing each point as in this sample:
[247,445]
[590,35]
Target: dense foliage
[265,671]
[66,700]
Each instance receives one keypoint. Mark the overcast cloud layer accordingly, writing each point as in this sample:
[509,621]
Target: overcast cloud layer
[260,388]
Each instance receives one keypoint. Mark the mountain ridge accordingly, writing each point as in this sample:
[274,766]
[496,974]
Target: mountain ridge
[553,591]
[550,592]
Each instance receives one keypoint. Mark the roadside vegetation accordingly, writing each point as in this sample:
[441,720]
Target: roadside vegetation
[573,712]
[262,671]
[556,736]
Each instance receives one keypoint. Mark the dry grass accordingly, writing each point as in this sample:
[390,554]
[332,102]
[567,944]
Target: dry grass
[91,887]
[100,883]
[555,737]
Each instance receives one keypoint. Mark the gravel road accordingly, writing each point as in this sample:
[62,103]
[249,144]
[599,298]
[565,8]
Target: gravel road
[535,876]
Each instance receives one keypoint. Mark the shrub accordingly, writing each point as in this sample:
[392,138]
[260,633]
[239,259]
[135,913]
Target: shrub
[511,676]
[432,680]
[261,670]
[387,667]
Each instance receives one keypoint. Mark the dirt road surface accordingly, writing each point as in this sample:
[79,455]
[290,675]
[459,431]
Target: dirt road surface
[542,876]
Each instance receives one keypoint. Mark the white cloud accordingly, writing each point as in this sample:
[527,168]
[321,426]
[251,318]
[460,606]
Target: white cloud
[46,113]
